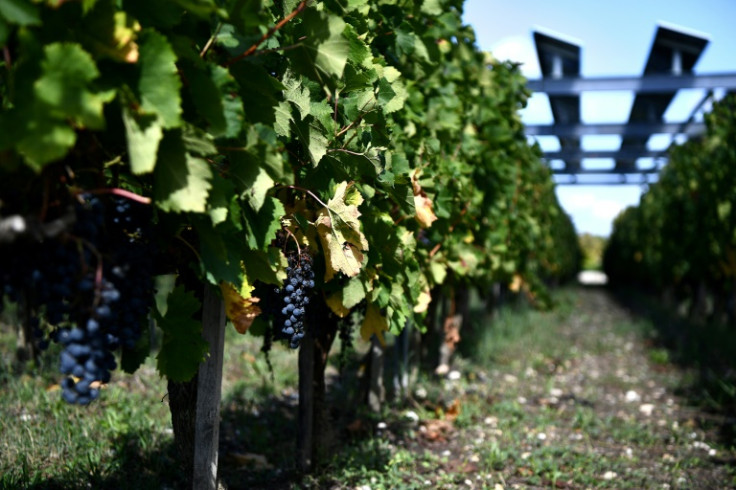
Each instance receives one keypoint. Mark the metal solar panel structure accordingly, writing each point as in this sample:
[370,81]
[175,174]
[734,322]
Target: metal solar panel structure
[669,68]
[560,59]
[674,53]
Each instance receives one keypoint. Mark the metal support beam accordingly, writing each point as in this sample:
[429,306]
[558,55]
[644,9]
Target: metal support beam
[630,129]
[629,153]
[614,180]
[644,84]
[607,171]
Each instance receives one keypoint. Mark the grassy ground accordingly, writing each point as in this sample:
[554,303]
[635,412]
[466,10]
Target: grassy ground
[586,396]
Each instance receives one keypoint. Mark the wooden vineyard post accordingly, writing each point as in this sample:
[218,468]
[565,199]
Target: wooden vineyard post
[376,391]
[312,419]
[209,384]
[306,403]
[401,351]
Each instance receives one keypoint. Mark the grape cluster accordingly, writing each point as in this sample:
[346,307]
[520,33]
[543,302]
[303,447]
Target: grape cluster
[93,285]
[295,296]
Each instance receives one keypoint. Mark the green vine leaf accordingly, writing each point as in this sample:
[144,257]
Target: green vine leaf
[182,182]
[143,135]
[159,83]
[325,49]
[312,135]
[20,12]
[182,347]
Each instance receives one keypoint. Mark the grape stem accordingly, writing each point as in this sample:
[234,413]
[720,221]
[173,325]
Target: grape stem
[98,268]
[118,192]
[298,248]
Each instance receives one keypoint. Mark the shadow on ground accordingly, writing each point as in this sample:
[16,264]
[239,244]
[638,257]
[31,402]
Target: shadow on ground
[143,468]
[706,352]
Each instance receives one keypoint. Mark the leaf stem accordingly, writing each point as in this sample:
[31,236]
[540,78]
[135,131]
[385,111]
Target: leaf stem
[189,246]
[118,192]
[210,40]
[343,150]
[250,51]
[297,188]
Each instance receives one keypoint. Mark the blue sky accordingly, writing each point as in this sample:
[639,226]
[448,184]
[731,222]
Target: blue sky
[615,38]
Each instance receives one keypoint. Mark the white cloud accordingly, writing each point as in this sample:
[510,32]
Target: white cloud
[519,49]
[593,212]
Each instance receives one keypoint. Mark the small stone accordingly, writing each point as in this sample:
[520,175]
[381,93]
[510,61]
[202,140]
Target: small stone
[446,453]
[525,455]
[542,436]
[468,483]
[632,396]
[646,409]
[521,400]
[492,421]
[474,458]
[420,393]
[381,426]
[609,475]
[510,378]
[454,375]
[556,392]
[411,415]
[701,445]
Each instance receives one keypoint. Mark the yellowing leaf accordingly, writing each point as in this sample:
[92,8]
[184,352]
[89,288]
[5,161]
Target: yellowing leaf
[516,284]
[423,301]
[241,310]
[373,324]
[341,302]
[334,301]
[424,213]
[339,232]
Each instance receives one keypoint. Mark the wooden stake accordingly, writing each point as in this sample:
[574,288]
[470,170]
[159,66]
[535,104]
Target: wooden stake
[209,384]
[306,403]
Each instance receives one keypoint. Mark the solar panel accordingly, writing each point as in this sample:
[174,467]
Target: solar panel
[673,52]
[561,59]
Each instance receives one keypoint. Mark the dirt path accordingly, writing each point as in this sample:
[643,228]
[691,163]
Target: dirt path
[580,400]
